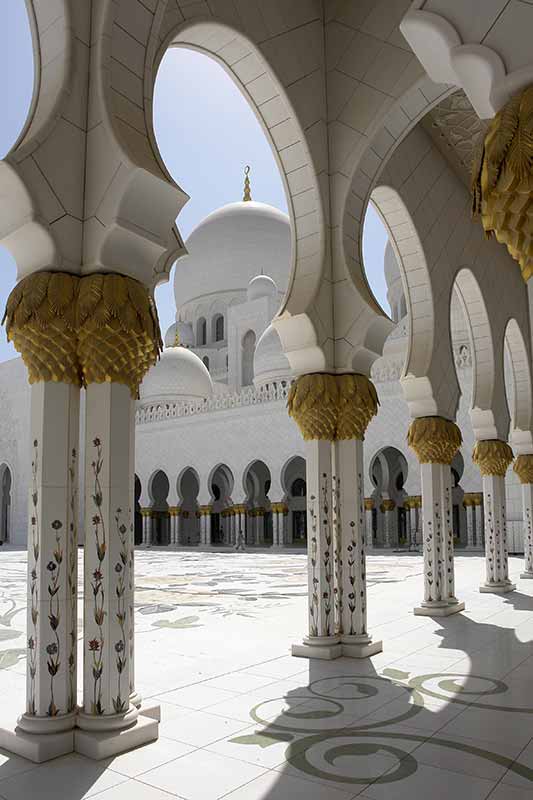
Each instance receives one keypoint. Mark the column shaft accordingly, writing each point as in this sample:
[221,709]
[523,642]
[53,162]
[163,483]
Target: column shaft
[322,638]
[527,510]
[349,522]
[437,538]
[51,694]
[470,532]
[496,557]
[108,524]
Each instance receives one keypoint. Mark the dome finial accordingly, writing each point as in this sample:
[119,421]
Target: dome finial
[247,192]
[177,338]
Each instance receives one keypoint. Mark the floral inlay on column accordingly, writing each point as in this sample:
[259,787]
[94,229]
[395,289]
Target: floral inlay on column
[53,648]
[313,607]
[33,641]
[96,645]
[337,552]
[119,704]
[327,559]
[72,579]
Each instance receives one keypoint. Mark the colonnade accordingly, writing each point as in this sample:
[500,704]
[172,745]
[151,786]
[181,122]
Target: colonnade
[250,521]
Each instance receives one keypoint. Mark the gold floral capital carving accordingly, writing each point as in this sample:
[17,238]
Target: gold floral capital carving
[435,440]
[492,457]
[473,499]
[387,505]
[369,503]
[502,179]
[332,407]
[81,330]
[523,466]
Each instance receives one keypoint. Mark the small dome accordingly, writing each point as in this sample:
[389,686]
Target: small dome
[261,286]
[270,362]
[184,332]
[229,247]
[178,375]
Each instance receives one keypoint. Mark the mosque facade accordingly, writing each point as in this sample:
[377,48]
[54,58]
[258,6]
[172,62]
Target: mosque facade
[219,462]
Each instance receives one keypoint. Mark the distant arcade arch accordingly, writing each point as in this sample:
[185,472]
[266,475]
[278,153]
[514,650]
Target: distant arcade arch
[5,503]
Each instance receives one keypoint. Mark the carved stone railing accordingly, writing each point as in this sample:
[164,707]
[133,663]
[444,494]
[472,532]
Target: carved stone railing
[250,396]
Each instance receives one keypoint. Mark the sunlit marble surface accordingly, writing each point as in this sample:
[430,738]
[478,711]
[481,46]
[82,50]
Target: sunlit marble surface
[445,711]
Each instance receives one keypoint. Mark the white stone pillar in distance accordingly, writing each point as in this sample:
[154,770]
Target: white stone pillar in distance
[523,467]
[493,458]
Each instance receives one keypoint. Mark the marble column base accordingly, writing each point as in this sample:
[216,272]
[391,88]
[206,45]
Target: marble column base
[105,744]
[527,575]
[360,646]
[323,647]
[438,609]
[497,588]
[36,747]
[136,700]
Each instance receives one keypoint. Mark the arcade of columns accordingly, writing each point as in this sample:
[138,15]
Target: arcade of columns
[92,239]
[249,521]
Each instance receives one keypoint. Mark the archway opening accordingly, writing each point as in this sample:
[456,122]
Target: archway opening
[293,479]
[159,489]
[257,481]
[189,520]
[218,328]
[221,485]
[5,504]
[388,473]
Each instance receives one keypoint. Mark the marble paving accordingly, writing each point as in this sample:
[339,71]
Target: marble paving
[445,711]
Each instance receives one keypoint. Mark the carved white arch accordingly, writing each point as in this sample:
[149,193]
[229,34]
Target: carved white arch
[519,396]
[488,408]
[256,78]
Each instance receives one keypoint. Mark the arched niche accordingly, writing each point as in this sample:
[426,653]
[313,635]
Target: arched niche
[188,485]
[159,488]
[6,486]
[518,388]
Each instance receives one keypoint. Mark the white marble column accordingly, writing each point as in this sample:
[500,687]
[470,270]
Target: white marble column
[285,535]
[388,508]
[207,527]
[479,523]
[108,520]
[470,523]
[437,539]
[146,514]
[275,526]
[240,527]
[349,525]
[323,641]
[260,527]
[496,556]
[414,519]
[51,695]
[527,510]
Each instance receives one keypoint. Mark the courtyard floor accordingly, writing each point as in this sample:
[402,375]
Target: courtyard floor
[446,711]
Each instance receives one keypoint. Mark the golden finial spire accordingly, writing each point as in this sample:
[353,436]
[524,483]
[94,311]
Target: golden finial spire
[247,191]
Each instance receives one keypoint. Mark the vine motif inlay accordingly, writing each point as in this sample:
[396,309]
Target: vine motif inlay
[33,639]
[96,645]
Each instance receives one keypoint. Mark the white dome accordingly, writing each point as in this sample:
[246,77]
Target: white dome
[178,375]
[230,247]
[270,362]
[185,335]
[261,286]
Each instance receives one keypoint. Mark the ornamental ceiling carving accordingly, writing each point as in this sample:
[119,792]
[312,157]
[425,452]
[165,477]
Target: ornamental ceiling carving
[456,130]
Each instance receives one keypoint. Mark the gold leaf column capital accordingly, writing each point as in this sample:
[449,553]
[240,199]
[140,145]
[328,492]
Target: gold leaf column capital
[523,466]
[332,407]
[492,456]
[118,330]
[435,440]
[40,319]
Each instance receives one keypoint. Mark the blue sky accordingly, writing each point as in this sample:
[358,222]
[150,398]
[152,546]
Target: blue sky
[205,130]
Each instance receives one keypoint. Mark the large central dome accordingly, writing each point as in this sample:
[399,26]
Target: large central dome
[230,247]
